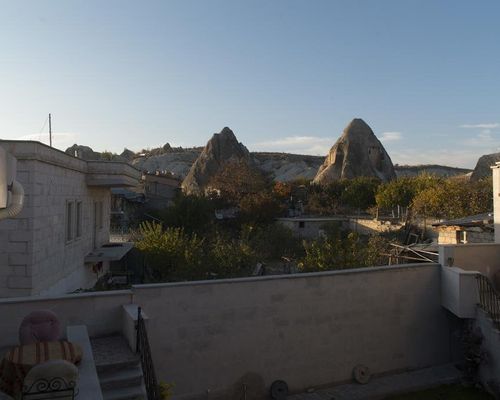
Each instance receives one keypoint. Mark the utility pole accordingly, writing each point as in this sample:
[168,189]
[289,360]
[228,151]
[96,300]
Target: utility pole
[50,129]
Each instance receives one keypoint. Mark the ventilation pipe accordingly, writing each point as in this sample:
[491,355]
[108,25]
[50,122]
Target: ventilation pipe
[11,191]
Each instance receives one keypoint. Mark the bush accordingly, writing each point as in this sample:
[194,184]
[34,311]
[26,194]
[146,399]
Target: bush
[271,242]
[171,254]
[230,258]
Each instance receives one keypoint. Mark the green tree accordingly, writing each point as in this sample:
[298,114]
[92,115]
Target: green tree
[454,198]
[194,214]
[171,254]
[359,193]
[230,258]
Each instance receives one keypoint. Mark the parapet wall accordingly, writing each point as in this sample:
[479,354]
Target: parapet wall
[99,311]
[307,329]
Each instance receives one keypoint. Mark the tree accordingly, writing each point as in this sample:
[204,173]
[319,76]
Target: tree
[454,198]
[259,208]
[194,214]
[359,193]
[237,179]
[171,254]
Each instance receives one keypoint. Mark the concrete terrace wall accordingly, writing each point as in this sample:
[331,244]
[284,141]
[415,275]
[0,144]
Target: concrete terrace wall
[100,312]
[308,329]
[481,257]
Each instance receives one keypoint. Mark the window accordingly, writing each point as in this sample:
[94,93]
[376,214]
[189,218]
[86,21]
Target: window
[461,237]
[302,224]
[78,219]
[98,210]
[101,217]
[69,221]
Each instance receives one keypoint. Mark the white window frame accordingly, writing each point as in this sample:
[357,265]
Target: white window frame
[69,220]
[78,219]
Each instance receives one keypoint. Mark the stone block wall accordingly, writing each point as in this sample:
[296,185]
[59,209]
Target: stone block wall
[35,257]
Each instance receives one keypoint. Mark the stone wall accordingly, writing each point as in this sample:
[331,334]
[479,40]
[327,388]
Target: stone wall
[308,329]
[448,235]
[35,257]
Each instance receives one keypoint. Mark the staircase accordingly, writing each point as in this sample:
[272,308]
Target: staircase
[118,368]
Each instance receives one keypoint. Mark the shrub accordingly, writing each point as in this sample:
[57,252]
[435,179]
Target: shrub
[171,254]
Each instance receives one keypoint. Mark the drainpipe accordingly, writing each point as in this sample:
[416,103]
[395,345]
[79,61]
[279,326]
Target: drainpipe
[11,191]
[16,203]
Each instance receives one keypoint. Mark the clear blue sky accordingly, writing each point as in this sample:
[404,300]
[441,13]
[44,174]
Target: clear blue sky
[284,75]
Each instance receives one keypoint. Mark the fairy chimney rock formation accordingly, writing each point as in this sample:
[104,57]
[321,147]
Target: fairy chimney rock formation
[356,153]
[223,147]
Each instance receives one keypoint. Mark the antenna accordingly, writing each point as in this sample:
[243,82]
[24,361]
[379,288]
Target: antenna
[50,129]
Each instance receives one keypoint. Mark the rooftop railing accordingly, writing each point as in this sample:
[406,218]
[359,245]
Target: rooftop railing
[489,299]
[144,351]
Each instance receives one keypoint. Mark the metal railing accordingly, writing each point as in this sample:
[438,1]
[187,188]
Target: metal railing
[144,351]
[489,299]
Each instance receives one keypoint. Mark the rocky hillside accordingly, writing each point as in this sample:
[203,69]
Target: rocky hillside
[177,162]
[357,152]
[286,167]
[279,166]
[483,165]
[438,170]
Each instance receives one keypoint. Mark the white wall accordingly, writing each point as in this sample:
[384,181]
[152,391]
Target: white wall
[481,257]
[308,329]
[496,200]
[99,311]
[459,291]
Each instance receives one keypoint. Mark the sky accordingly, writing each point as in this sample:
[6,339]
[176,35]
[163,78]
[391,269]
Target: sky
[284,75]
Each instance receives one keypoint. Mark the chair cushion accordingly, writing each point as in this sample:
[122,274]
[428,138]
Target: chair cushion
[50,376]
[39,326]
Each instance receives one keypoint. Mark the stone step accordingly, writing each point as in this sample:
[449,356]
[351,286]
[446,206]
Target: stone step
[131,376]
[127,393]
[116,366]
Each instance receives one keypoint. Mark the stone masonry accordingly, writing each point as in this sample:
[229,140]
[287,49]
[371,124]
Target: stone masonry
[35,255]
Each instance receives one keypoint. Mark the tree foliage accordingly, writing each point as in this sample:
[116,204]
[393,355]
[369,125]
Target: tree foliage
[171,254]
[339,250]
[455,198]
[237,179]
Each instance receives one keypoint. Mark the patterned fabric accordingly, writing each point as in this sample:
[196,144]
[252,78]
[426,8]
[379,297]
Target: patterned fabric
[20,359]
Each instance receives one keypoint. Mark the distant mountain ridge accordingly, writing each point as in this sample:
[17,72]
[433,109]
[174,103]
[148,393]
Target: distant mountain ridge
[281,166]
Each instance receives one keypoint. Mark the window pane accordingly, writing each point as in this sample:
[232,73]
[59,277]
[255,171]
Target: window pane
[69,221]
[79,219]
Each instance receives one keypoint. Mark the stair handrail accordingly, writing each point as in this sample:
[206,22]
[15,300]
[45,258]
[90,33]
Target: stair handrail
[144,351]
[489,298]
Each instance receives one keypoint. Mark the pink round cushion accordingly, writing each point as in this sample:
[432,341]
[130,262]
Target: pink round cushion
[39,326]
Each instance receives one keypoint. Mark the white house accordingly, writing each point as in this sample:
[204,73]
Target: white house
[55,244]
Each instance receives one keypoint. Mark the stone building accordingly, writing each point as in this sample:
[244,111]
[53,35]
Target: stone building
[55,245]
[160,189]
[473,229]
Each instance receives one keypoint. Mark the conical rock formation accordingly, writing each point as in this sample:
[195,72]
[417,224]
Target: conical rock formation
[482,169]
[223,147]
[357,152]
